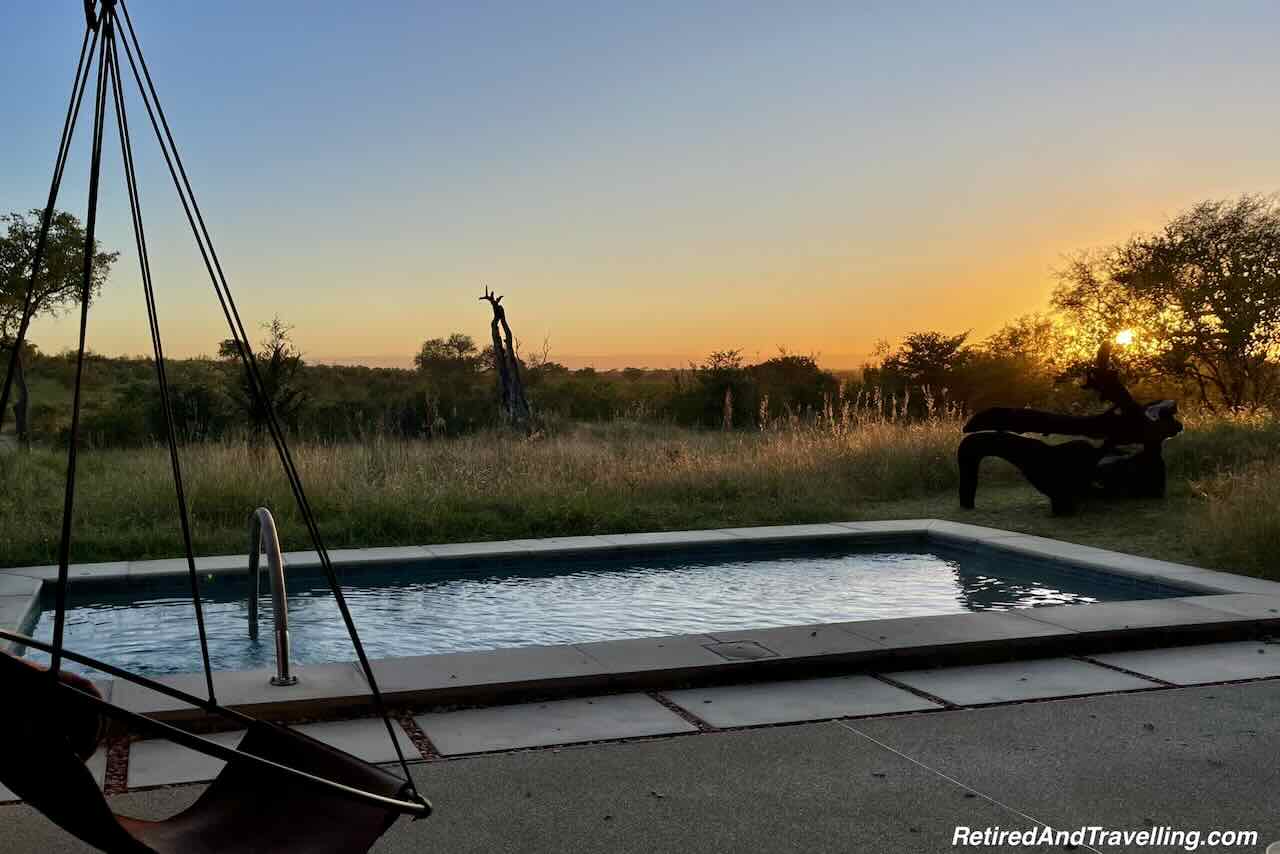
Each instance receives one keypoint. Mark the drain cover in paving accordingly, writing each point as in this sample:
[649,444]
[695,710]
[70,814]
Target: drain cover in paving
[741,650]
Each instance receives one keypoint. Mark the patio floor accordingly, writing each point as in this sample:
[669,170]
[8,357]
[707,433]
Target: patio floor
[1199,758]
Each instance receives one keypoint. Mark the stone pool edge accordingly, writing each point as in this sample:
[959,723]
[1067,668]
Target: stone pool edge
[1226,606]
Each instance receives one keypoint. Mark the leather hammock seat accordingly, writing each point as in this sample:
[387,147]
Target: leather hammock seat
[45,735]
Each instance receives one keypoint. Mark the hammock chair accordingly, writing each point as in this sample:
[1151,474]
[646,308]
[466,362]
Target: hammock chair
[280,789]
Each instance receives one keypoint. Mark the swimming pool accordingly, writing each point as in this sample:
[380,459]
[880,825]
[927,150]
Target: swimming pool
[449,606]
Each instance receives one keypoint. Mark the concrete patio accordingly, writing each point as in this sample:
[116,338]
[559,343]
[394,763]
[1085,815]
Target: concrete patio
[1191,758]
[895,762]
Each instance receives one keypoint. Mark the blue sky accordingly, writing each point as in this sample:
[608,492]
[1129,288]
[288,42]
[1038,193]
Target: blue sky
[648,182]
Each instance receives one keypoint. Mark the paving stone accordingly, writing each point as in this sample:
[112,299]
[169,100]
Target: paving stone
[306,558]
[1019,680]
[800,700]
[890,527]
[1118,616]
[556,722]
[43,573]
[15,611]
[173,566]
[964,532]
[109,571]
[214,564]
[803,641]
[366,738]
[115,570]
[97,765]
[670,538]
[1212,581]
[489,667]
[157,762]
[951,629]
[320,682]
[18,585]
[1241,604]
[565,544]
[482,549]
[788,532]
[1197,665]
[665,653]
[357,558]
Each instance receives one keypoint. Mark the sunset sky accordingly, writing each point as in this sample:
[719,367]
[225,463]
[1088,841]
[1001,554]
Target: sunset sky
[645,182]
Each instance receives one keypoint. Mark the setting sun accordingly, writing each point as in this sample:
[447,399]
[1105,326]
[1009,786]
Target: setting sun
[1124,337]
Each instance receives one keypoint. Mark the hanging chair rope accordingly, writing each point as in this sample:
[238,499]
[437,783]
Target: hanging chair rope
[86,283]
[232,314]
[148,288]
[200,231]
[101,38]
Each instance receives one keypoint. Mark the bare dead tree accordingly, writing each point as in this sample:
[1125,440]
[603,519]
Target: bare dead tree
[514,406]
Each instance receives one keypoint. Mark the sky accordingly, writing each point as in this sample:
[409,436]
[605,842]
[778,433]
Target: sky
[648,182]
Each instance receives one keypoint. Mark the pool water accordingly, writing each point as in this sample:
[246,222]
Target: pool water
[149,628]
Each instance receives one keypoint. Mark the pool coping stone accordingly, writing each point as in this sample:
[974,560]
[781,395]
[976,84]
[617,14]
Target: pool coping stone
[1219,606]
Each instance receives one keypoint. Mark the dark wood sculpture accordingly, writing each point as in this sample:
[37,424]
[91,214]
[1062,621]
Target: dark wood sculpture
[1128,463]
[513,404]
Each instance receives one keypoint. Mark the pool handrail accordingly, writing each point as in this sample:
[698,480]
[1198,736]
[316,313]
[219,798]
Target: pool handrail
[263,536]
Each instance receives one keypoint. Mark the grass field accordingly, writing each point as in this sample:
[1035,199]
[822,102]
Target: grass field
[619,477]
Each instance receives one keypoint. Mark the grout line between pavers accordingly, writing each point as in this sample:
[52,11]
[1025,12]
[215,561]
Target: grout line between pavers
[420,739]
[954,781]
[1126,671]
[911,689]
[681,711]
[115,776]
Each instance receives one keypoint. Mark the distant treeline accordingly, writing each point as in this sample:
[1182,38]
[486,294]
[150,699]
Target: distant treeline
[453,391]
[1192,312]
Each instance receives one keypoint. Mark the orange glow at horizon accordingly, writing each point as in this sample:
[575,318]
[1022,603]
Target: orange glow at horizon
[812,177]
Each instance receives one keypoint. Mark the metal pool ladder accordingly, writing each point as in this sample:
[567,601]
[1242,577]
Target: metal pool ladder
[263,537]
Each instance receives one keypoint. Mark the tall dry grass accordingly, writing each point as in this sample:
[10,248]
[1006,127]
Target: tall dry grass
[847,462]
[1239,527]
[591,478]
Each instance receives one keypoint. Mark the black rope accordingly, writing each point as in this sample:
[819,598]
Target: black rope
[205,243]
[148,288]
[60,164]
[86,286]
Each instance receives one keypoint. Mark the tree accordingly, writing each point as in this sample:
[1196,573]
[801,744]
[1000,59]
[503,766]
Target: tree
[723,392]
[928,358]
[792,384]
[925,360]
[1202,294]
[451,368]
[1021,364]
[279,367]
[1033,338]
[455,354]
[56,288]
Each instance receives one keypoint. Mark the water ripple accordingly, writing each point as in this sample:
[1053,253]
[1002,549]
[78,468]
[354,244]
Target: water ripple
[399,615]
